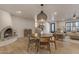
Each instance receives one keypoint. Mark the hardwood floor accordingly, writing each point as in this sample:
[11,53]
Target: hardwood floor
[20,47]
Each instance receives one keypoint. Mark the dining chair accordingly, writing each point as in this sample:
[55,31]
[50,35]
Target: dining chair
[45,42]
[32,41]
[25,32]
[53,40]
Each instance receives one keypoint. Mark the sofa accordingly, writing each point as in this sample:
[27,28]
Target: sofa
[74,35]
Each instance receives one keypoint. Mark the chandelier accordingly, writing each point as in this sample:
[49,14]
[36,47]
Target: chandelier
[41,16]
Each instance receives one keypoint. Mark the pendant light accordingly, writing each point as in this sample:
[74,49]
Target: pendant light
[74,16]
[41,16]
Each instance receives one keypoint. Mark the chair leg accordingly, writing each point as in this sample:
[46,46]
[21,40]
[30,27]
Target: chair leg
[49,48]
[28,47]
[37,46]
[55,45]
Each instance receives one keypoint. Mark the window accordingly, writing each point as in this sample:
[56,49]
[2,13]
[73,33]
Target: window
[68,26]
[77,26]
[71,25]
[52,27]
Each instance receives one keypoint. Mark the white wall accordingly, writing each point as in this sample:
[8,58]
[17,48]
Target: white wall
[5,19]
[19,24]
[47,28]
[61,25]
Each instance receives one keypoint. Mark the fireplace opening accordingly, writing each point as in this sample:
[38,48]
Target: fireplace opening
[8,33]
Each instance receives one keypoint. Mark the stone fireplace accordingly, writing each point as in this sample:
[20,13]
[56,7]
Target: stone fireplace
[7,32]
[7,36]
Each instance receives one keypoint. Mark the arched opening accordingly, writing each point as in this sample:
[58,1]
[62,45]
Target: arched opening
[8,33]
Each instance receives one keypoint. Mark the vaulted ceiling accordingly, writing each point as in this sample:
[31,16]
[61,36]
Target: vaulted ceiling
[63,11]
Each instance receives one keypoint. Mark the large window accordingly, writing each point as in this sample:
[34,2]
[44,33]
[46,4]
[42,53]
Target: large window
[68,26]
[77,26]
[71,25]
[52,27]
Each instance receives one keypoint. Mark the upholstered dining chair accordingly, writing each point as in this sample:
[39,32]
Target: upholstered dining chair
[32,41]
[45,42]
[53,40]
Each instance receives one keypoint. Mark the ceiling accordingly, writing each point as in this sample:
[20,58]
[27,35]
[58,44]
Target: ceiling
[63,11]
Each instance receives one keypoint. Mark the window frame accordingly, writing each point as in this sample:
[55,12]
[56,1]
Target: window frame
[69,26]
[51,27]
[77,26]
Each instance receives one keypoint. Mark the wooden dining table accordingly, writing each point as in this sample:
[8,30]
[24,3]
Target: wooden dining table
[44,39]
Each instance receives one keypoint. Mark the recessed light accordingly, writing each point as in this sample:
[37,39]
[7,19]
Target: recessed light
[55,13]
[19,12]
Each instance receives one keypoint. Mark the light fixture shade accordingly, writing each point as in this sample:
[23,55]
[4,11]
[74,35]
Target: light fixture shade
[74,16]
[41,15]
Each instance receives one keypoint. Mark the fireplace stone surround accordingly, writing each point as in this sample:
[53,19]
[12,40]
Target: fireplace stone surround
[7,32]
[7,36]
